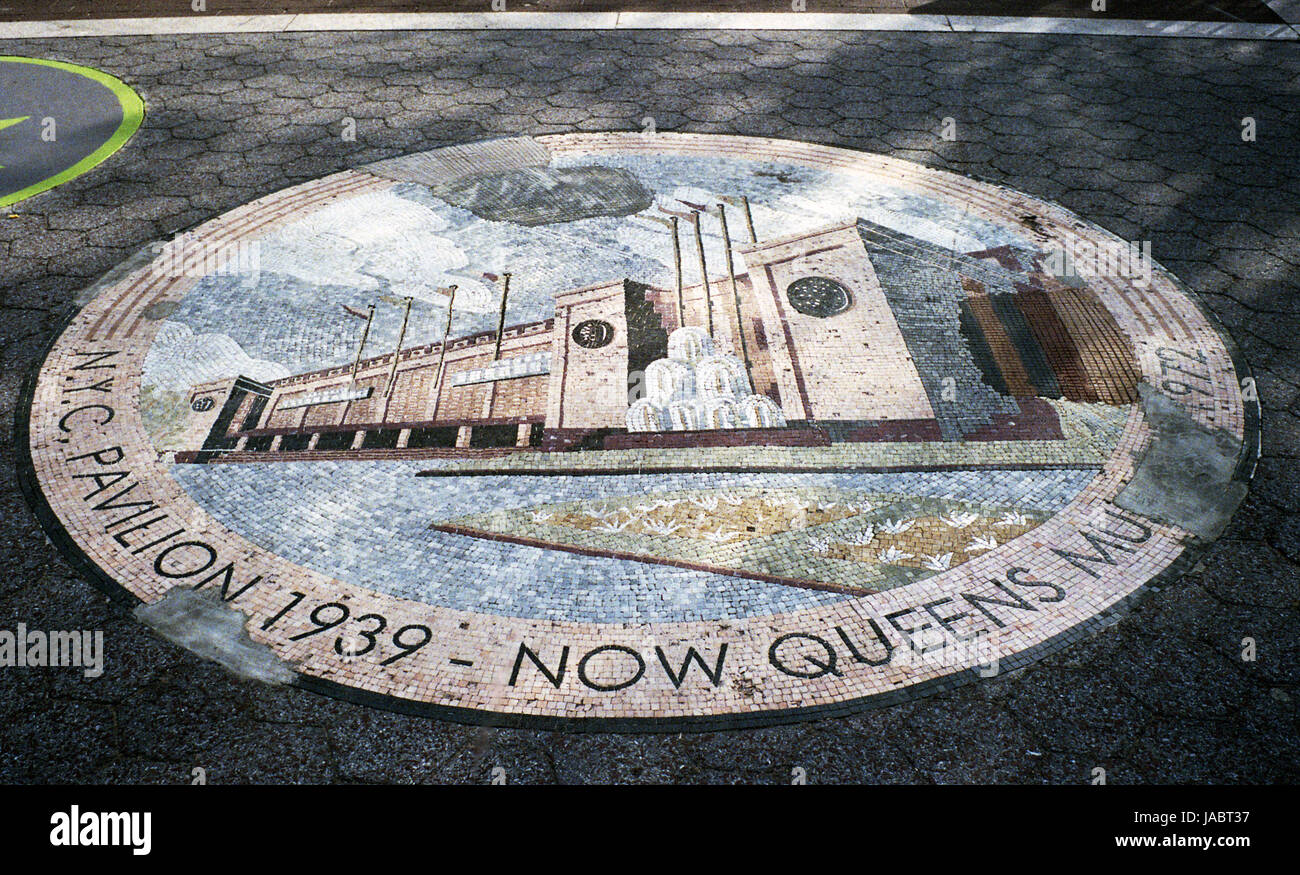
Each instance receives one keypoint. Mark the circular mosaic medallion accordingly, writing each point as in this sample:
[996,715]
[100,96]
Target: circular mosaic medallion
[465,433]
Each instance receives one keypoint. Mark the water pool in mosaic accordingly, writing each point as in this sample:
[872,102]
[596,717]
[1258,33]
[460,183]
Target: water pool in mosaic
[354,520]
[661,430]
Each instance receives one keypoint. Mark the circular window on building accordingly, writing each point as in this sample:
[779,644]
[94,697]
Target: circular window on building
[818,296]
[593,333]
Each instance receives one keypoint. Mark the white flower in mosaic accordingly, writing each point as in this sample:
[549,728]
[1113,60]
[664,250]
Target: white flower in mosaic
[659,527]
[613,526]
[819,545]
[720,536]
[896,527]
[960,519]
[939,563]
[828,507]
[893,555]
[541,516]
[1013,518]
[709,502]
[857,507]
[981,543]
[862,538]
[732,498]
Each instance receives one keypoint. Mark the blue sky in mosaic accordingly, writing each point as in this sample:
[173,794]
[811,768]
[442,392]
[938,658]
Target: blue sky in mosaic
[378,248]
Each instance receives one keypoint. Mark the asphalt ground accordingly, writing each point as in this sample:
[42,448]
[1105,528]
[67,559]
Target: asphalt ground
[1141,135]
[1186,10]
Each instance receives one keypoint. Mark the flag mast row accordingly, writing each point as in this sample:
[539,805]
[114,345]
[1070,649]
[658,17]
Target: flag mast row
[671,221]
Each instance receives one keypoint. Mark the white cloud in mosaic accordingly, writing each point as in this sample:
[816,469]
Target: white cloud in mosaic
[406,241]
[829,203]
[378,242]
[179,359]
[814,207]
[920,227]
[788,199]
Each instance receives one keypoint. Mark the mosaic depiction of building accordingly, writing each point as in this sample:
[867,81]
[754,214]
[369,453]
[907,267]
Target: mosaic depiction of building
[850,333]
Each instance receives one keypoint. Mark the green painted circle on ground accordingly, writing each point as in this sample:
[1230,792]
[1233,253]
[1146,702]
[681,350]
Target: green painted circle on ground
[58,121]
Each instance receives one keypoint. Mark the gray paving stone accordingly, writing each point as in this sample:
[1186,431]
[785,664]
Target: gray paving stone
[1140,136]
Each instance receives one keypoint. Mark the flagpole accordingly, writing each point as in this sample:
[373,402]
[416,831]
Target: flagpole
[677,265]
[743,202]
[501,318]
[365,332]
[673,223]
[442,354]
[749,218]
[397,353]
[704,270]
[735,293]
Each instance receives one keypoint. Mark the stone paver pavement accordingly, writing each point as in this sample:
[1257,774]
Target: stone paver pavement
[1139,135]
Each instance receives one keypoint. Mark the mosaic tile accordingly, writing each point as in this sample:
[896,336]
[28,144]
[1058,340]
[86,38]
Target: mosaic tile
[642,431]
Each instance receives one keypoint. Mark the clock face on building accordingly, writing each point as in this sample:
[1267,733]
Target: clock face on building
[899,439]
[593,333]
[818,296]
